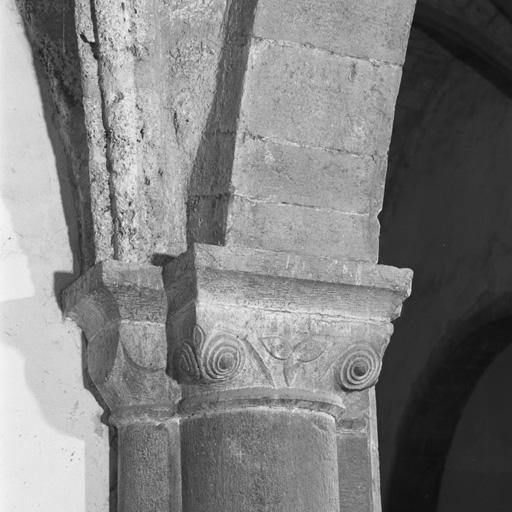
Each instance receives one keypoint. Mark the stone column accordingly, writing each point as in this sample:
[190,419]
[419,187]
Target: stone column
[122,310]
[274,353]
[246,145]
[269,357]
[293,162]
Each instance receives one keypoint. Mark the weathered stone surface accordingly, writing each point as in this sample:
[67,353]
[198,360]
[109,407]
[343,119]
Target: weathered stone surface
[243,319]
[320,99]
[149,466]
[153,148]
[149,75]
[367,29]
[131,37]
[302,230]
[289,173]
[328,286]
[210,181]
[122,310]
[97,158]
[260,459]
[340,116]
[270,139]
[197,32]
[354,465]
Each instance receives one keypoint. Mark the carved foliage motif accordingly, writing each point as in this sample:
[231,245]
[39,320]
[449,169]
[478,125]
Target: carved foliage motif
[293,356]
[223,355]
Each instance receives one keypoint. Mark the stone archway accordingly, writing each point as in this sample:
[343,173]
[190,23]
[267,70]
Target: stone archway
[432,418]
[443,214]
[272,314]
[477,470]
[242,146]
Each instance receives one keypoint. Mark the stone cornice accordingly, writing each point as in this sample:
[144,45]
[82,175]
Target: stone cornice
[286,282]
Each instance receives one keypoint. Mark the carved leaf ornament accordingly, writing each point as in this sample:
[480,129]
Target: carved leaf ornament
[293,356]
[222,356]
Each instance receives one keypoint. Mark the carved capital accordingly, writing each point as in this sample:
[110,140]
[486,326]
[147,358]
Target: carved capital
[246,320]
[122,309]
[239,326]
[222,356]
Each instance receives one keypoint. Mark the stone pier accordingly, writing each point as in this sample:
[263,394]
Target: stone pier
[245,148]
[261,397]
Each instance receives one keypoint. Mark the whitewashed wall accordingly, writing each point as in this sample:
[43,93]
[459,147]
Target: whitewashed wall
[53,448]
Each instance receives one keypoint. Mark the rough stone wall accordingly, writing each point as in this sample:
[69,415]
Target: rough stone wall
[130,172]
[333,133]
[166,159]
[155,79]
[446,215]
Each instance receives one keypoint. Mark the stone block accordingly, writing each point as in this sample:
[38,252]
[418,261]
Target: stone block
[274,281]
[287,173]
[303,230]
[315,98]
[367,29]
[207,218]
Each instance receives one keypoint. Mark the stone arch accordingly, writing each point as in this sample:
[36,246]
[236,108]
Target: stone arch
[459,353]
[360,205]
[434,411]
[481,26]
[477,470]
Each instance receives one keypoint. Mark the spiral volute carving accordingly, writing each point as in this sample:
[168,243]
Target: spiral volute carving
[222,358]
[217,358]
[358,368]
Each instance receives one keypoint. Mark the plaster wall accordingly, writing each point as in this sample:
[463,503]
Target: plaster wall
[53,448]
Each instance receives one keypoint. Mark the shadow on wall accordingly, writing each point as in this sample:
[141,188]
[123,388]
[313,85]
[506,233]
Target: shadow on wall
[53,437]
[447,216]
[214,160]
[50,29]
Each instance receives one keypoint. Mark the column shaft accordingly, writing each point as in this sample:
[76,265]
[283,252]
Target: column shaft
[259,459]
[149,476]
